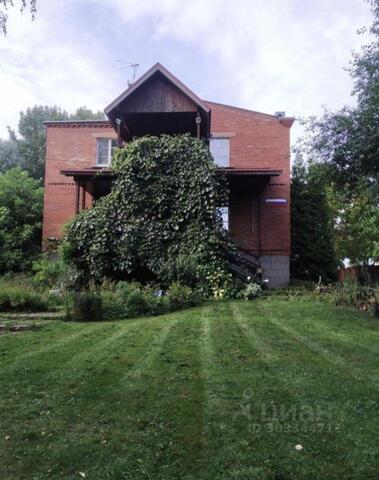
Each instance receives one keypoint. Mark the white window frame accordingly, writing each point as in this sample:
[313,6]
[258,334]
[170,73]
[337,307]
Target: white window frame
[224,212]
[109,158]
[216,138]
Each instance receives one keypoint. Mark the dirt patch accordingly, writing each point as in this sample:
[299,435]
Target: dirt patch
[32,316]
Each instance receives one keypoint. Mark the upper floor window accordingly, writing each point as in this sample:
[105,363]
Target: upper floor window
[225,217]
[104,151]
[219,148]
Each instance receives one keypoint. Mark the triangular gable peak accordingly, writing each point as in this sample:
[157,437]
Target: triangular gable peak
[159,103]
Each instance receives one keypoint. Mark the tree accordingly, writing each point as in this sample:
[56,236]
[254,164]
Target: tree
[31,139]
[346,143]
[9,155]
[26,148]
[357,227]
[84,113]
[163,208]
[312,237]
[23,4]
[21,200]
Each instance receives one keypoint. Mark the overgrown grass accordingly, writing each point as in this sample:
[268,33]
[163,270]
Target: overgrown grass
[18,294]
[223,391]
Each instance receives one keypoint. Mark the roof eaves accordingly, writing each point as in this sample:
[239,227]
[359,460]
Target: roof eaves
[76,122]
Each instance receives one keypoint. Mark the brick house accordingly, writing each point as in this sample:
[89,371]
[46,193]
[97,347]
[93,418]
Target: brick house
[252,148]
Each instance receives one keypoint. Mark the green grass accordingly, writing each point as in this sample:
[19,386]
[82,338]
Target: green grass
[223,391]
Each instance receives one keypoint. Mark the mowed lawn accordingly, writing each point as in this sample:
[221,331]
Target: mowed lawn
[222,391]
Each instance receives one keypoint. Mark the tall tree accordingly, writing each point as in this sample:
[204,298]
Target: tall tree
[26,148]
[9,155]
[357,228]
[84,113]
[312,237]
[21,199]
[346,142]
[31,139]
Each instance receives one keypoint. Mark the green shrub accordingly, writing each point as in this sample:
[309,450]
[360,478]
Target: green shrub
[350,293]
[84,307]
[126,300]
[216,281]
[48,273]
[21,299]
[112,305]
[137,304]
[180,296]
[21,202]
[252,291]
[180,268]
[124,289]
[159,305]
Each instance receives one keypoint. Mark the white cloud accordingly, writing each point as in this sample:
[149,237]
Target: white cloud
[38,67]
[262,54]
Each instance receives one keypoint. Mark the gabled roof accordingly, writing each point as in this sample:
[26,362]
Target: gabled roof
[169,76]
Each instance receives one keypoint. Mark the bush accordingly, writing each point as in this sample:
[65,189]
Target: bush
[350,293]
[21,201]
[137,304]
[21,299]
[180,268]
[126,300]
[216,281]
[252,291]
[48,273]
[180,296]
[124,289]
[112,305]
[84,307]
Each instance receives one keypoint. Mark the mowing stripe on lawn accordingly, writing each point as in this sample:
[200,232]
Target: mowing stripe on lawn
[287,344]
[167,393]
[337,413]
[151,354]
[51,346]
[340,333]
[326,354]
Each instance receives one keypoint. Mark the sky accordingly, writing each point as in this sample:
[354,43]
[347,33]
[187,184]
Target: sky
[264,55]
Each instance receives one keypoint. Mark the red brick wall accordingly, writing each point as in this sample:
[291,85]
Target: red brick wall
[67,147]
[258,141]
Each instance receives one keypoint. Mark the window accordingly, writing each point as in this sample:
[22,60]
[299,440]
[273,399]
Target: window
[219,148]
[225,217]
[104,151]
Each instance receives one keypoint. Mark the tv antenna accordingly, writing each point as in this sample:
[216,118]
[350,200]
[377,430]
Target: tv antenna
[131,65]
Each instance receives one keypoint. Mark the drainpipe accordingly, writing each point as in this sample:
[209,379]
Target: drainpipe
[84,196]
[259,234]
[77,196]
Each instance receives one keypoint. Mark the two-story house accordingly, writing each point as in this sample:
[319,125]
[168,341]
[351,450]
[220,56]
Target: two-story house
[252,148]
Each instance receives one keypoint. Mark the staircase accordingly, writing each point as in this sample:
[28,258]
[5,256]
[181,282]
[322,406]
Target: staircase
[245,265]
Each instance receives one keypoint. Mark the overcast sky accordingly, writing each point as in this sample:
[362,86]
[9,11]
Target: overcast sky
[266,55]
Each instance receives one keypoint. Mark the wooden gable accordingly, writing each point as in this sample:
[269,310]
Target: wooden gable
[158,103]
